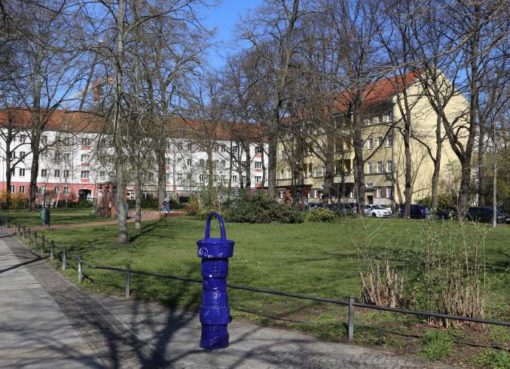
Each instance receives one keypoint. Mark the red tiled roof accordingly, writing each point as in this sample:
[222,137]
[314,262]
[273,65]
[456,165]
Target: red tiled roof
[59,120]
[83,122]
[380,91]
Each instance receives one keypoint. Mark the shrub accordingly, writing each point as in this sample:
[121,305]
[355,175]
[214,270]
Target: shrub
[320,215]
[192,207]
[437,344]
[259,208]
[494,359]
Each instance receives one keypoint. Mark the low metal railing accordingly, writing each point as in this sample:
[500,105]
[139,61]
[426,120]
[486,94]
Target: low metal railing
[32,238]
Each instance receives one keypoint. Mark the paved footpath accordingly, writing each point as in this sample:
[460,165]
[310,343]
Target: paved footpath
[47,322]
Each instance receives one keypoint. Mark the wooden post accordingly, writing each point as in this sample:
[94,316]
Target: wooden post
[128,281]
[350,324]
[52,250]
[64,259]
[80,271]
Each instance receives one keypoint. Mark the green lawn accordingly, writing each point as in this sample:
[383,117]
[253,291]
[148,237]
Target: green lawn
[320,259]
[58,216]
[312,258]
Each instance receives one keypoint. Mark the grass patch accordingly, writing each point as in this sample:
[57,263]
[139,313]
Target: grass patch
[436,344]
[493,359]
[58,216]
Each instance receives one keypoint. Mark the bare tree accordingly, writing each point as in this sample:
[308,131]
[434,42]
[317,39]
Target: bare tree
[273,35]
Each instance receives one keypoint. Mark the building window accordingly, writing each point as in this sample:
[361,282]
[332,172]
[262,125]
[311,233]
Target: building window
[179,160]
[370,168]
[21,172]
[389,193]
[234,179]
[378,192]
[21,189]
[84,158]
[216,148]
[223,163]
[86,141]
[168,176]
[179,146]
[42,190]
[235,150]
[202,162]
[189,162]
[57,189]
[379,141]
[386,118]
[12,188]
[22,155]
[389,141]
[201,177]
[84,174]
[44,172]
[67,156]
[258,149]
[66,190]
[258,165]
[57,173]
[370,143]
[379,167]
[167,161]
[57,156]
[190,147]
[44,140]
[375,120]
[13,155]
[151,176]
[22,138]
[389,166]
[102,174]
[179,176]
[258,179]
[66,173]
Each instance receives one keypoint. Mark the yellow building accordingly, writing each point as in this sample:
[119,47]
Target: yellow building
[383,149]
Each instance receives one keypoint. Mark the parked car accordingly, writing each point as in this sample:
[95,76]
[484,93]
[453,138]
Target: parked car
[446,213]
[417,211]
[377,211]
[483,214]
[341,209]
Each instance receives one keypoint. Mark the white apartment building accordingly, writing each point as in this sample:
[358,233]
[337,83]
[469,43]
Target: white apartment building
[70,169]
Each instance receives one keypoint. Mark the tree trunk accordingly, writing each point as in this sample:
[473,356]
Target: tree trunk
[247,167]
[271,166]
[481,166]
[437,166]
[34,172]
[408,189]
[359,165]
[8,173]
[121,205]
[138,203]
[161,162]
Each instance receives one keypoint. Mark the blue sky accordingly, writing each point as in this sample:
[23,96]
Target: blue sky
[225,17]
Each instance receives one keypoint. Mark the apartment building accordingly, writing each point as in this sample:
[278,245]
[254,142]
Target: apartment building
[383,148]
[71,168]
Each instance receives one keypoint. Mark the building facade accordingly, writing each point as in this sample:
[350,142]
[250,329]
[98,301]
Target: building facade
[383,149]
[71,167]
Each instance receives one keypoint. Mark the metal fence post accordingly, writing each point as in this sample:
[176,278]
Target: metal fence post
[35,241]
[128,281]
[350,324]
[52,250]
[64,259]
[29,236]
[80,271]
